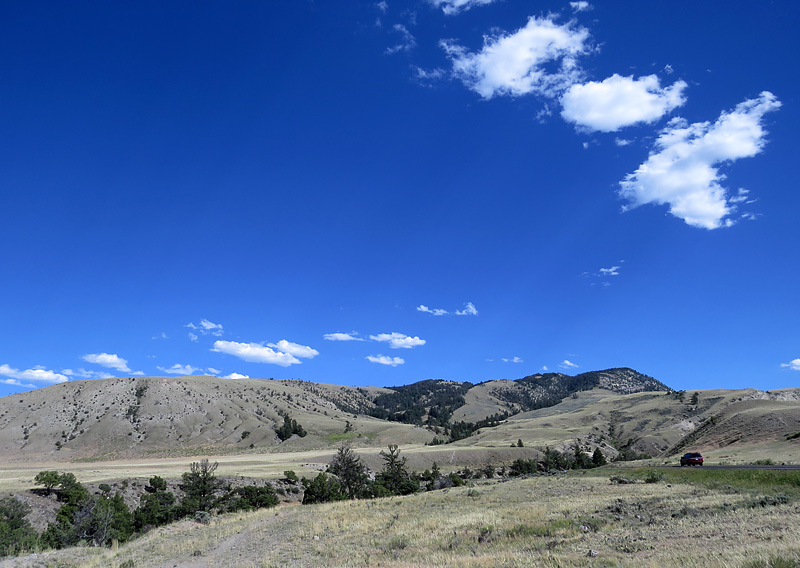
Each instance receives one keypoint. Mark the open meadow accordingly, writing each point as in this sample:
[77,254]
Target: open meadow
[603,517]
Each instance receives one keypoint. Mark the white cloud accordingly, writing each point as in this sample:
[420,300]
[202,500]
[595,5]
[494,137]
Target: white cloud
[236,376]
[255,353]
[580,6]
[302,351]
[427,77]
[622,142]
[161,335]
[38,373]
[213,371]
[434,311]
[343,337]
[520,63]
[469,310]
[178,369]
[794,365]
[544,368]
[398,340]
[407,41]
[452,7]
[513,360]
[384,360]
[205,327]
[85,374]
[567,364]
[613,271]
[683,172]
[619,101]
[193,336]
[382,6]
[110,360]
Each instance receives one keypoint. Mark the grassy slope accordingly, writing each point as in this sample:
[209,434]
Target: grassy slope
[189,415]
[580,520]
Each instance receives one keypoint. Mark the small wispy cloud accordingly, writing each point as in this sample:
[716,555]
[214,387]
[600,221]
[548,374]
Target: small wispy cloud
[205,327]
[469,310]
[613,271]
[398,340]
[580,6]
[567,364]
[434,311]
[513,360]
[352,336]
[453,7]
[407,40]
[82,373]
[178,369]
[384,360]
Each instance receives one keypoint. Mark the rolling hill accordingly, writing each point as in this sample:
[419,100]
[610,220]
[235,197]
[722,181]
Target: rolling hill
[618,410]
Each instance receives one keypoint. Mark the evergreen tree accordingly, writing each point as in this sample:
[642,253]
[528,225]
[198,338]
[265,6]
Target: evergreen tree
[598,458]
[203,491]
[395,477]
[347,466]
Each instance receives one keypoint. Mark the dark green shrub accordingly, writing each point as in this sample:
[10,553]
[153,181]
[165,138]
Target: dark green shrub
[322,489]
[203,491]
[16,533]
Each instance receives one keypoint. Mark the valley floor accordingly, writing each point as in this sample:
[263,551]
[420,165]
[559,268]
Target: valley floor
[564,520]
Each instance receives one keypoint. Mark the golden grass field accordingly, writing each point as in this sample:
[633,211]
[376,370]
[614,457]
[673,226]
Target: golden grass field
[565,520]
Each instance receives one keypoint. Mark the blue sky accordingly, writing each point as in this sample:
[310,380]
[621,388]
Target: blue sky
[370,193]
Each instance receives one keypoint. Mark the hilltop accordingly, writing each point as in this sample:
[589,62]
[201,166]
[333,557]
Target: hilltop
[618,410]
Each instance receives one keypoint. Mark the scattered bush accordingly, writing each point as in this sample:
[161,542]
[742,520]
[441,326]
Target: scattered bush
[16,533]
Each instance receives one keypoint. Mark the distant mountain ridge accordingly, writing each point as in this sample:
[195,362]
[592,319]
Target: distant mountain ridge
[161,415]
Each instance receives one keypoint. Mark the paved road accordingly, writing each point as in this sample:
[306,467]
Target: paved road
[712,466]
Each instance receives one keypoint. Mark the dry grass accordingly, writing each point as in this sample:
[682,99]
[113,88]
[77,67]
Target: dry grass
[570,521]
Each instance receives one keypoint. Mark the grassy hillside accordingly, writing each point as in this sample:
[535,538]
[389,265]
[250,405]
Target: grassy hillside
[713,519]
[151,416]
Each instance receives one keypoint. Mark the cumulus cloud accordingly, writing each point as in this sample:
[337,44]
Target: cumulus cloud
[794,365]
[38,374]
[255,353]
[398,340]
[178,369]
[683,169]
[343,337]
[613,271]
[618,101]
[407,41]
[567,364]
[522,63]
[205,327]
[580,6]
[295,349]
[384,360]
[110,360]
[236,376]
[452,7]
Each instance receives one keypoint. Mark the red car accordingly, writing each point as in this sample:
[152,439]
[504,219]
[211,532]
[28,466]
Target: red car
[692,458]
